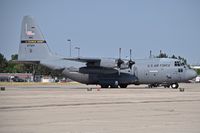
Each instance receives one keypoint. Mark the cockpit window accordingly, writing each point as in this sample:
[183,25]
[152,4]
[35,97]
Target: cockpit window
[178,63]
[182,64]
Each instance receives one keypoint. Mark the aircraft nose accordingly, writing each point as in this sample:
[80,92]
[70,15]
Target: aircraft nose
[190,74]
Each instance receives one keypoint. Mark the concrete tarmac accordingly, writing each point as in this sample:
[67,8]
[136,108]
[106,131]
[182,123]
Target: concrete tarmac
[73,109]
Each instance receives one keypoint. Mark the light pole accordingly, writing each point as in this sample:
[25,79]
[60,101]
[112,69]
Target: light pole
[78,48]
[70,47]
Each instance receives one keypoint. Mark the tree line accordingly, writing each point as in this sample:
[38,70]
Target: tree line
[11,67]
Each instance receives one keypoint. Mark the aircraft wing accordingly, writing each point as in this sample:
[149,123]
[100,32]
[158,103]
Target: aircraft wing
[96,65]
[90,62]
[102,62]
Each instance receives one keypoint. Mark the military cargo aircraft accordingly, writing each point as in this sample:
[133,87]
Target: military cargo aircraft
[106,72]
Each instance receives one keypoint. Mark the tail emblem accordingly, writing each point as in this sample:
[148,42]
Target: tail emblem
[29,32]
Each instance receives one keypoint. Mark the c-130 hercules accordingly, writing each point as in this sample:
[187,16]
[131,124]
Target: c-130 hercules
[106,72]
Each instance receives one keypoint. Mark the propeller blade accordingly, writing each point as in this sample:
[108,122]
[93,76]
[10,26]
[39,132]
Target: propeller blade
[131,63]
[120,51]
[119,61]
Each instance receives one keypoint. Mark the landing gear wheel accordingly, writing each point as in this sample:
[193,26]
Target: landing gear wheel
[113,86]
[104,86]
[174,85]
[166,86]
[123,85]
[150,86]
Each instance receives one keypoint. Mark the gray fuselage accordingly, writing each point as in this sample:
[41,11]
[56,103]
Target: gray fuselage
[145,71]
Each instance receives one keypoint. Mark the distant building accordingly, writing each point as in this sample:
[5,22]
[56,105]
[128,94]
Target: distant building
[195,67]
[18,77]
[47,79]
[197,79]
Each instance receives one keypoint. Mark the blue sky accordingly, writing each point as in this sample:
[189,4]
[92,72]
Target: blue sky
[100,27]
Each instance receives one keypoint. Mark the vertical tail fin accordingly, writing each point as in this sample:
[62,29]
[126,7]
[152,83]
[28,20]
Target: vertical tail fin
[33,46]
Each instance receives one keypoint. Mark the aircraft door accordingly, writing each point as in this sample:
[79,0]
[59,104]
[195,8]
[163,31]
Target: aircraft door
[180,71]
[176,75]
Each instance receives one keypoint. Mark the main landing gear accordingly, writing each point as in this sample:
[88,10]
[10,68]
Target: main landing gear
[104,86]
[153,85]
[123,85]
[115,86]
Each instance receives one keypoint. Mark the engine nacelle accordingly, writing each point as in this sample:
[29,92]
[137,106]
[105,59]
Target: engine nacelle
[108,63]
[112,63]
[97,70]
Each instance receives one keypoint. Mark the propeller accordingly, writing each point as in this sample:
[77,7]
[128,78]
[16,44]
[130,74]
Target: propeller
[119,61]
[130,62]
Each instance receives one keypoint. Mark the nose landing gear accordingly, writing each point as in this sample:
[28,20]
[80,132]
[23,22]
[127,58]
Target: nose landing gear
[174,85]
